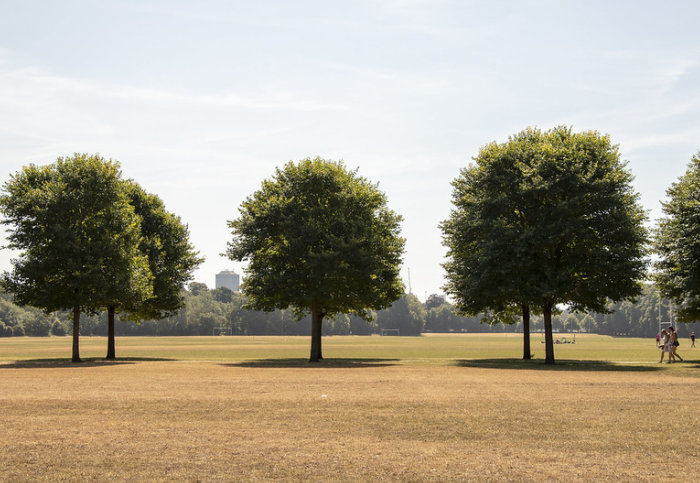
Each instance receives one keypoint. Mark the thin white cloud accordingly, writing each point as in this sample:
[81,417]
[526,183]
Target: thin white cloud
[660,70]
[277,101]
[432,82]
[676,137]
[673,71]
[32,85]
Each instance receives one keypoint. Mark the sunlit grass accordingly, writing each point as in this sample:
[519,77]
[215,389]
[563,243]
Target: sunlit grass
[428,349]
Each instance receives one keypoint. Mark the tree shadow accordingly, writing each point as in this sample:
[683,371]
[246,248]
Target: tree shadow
[695,363]
[67,363]
[303,363]
[560,365]
[143,359]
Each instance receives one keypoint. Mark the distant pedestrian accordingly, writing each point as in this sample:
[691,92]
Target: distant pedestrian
[658,339]
[666,346]
[674,344]
[692,339]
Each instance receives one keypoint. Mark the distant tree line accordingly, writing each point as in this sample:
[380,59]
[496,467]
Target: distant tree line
[207,311]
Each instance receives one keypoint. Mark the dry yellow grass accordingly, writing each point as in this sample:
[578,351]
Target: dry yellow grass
[204,420]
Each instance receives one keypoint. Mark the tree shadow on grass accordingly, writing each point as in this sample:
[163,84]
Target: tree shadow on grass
[560,365]
[302,363]
[67,363]
[695,363]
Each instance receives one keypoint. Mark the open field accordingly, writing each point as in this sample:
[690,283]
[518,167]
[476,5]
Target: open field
[430,408]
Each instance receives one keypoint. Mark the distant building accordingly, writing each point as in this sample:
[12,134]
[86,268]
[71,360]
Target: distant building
[228,279]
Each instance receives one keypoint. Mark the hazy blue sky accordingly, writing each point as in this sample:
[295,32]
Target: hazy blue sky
[200,101]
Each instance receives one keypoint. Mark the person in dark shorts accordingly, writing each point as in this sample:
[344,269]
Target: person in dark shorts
[692,339]
[674,344]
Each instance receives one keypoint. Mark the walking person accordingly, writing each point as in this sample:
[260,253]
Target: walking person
[665,346]
[674,344]
[692,339]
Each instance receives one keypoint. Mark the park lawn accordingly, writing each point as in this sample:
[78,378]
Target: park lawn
[428,408]
[428,349]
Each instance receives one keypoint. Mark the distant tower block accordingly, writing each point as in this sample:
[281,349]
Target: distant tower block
[228,279]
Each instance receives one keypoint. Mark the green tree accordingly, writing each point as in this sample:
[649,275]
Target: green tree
[588,324]
[197,288]
[360,326]
[57,328]
[164,242]
[434,301]
[77,235]
[442,318]
[407,314]
[36,325]
[547,218]
[678,244]
[486,250]
[571,323]
[223,295]
[321,240]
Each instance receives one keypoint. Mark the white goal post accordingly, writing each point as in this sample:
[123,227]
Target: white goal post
[389,331]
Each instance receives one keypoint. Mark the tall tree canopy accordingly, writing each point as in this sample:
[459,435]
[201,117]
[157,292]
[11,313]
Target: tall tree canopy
[486,237]
[319,239]
[547,218]
[678,244]
[78,238]
[171,259]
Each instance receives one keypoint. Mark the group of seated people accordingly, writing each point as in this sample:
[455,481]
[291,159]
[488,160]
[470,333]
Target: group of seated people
[563,340]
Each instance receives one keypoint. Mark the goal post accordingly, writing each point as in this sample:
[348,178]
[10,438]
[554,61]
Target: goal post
[394,332]
[222,331]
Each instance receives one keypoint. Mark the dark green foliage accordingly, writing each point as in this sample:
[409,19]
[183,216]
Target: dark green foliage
[57,329]
[77,235]
[678,244]
[164,242]
[359,326]
[223,294]
[587,324]
[442,318]
[545,219]
[434,300]
[37,326]
[318,239]
[95,241]
[406,314]
[75,230]
[171,259]
[197,288]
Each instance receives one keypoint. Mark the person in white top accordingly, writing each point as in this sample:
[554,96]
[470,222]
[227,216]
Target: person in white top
[665,345]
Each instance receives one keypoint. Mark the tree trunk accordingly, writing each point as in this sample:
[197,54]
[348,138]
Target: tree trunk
[316,324]
[76,334]
[526,332]
[111,353]
[548,340]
